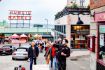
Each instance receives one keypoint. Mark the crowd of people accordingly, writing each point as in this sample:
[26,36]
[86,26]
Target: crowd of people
[55,53]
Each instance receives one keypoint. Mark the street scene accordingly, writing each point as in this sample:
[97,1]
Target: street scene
[52,34]
[77,62]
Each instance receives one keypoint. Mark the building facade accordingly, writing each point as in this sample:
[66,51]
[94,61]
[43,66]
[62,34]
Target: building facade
[78,32]
[98,30]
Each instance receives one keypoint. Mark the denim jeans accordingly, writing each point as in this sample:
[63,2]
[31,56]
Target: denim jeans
[31,62]
[55,65]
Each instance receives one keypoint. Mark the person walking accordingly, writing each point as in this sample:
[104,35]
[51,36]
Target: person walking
[53,56]
[47,52]
[33,53]
[63,53]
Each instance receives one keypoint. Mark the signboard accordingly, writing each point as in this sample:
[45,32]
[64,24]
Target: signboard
[19,18]
[102,28]
[16,12]
[100,17]
[101,40]
[37,25]
[90,42]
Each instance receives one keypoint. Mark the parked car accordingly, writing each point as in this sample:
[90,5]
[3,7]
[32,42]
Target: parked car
[20,53]
[7,49]
[26,46]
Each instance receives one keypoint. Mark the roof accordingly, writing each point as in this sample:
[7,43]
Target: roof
[23,30]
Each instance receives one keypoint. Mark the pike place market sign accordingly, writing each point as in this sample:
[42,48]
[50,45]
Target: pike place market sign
[19,15]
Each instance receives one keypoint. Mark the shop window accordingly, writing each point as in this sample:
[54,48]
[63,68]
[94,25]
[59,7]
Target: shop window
[91,43]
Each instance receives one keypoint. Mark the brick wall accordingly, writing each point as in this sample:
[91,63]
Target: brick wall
[96,3]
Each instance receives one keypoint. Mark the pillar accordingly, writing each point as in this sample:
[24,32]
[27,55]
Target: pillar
[68,30]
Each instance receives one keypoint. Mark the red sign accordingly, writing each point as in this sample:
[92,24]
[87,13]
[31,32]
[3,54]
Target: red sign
[19,17]
[100,17]
[16,12]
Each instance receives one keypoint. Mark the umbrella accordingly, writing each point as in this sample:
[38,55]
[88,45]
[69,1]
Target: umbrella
[14,36]
[23,35]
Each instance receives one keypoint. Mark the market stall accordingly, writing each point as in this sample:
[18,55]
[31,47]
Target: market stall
[14,39]
[23,38]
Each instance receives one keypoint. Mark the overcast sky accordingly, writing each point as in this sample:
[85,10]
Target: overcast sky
[41,9]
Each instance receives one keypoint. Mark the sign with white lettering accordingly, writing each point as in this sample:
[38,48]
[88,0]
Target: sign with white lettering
[100,17]
[19,18]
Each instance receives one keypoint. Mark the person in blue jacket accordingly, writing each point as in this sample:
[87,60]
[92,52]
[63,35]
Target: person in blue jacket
[33,53]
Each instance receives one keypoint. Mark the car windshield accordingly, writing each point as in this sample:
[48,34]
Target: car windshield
[6,46]
[21,50]
[27,46]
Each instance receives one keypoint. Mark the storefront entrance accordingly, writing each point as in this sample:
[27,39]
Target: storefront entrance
[79,36]
[101,46]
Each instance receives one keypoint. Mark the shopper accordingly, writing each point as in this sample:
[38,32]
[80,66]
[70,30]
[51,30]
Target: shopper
[53,56]
[62,54]
[33,53]
[47,52]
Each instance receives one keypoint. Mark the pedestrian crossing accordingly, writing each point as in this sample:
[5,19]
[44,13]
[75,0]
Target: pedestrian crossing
[41,67]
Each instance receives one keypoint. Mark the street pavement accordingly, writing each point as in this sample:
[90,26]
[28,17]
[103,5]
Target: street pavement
[6,63]
[79,60]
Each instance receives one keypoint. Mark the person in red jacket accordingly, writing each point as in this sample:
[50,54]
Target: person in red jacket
[53,55]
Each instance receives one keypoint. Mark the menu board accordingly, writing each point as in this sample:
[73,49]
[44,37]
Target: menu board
[90,42]
[101,40]
[102,28]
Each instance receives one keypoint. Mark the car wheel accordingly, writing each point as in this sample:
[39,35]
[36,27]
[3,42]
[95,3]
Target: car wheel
[26,59]
[13,58]
[11,53]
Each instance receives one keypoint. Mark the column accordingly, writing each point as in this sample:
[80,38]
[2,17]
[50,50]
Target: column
[68,30]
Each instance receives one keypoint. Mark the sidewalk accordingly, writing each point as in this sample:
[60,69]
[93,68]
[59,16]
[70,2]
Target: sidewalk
[77,53]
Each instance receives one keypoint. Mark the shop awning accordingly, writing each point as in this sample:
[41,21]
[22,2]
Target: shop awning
[23,35]
[14,36]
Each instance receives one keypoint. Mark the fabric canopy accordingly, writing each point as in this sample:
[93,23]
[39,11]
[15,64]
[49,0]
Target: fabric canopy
[14,36]
[23,35]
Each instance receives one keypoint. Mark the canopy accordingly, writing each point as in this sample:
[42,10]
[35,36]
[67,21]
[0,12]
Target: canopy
[23,35]
[14,36]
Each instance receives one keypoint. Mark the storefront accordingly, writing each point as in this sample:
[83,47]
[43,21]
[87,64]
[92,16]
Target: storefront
[79,36]
[100,21]
[2,36]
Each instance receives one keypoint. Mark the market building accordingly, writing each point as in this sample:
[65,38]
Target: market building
[7,31]
[77,22]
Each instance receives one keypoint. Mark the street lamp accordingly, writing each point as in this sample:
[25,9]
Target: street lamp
[47,24]
[79,22]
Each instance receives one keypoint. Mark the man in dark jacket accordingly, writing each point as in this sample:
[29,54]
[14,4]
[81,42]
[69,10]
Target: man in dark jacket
[33,53]
[63,53]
